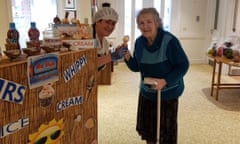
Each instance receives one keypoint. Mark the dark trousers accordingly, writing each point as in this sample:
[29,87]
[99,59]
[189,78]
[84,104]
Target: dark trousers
[147,120]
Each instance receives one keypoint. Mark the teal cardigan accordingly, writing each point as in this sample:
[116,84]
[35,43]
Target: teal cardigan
[166,59]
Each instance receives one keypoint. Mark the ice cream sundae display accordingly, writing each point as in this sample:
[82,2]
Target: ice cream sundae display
[51,37]
[46,95]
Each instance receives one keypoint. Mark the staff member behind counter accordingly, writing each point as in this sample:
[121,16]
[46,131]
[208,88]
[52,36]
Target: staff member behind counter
[104,22]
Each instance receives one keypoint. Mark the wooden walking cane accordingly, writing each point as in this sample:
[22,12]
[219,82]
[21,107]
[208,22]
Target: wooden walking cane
[152,83]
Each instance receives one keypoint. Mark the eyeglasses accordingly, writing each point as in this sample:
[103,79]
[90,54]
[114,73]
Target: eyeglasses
[53,136]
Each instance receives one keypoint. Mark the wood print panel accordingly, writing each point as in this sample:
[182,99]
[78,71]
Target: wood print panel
[79,121]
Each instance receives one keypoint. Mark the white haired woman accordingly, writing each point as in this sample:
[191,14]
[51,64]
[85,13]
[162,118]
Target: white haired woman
[158,55]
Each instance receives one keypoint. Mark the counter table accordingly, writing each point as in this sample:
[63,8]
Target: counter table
[68,117]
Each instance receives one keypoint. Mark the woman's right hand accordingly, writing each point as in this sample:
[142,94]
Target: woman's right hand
[127,55]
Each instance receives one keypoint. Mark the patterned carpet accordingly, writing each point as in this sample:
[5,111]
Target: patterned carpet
[202,119]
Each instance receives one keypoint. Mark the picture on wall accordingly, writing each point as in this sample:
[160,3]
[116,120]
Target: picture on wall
[69,4]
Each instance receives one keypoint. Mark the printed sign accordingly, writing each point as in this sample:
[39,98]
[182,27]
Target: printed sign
[11,91]
[42,69]
[84,43]
[69,102]
[13,127]
[70,72]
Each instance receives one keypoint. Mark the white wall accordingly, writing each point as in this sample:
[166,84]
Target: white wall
[225,21]
[196,36]
[190,24]
[238,18]
[84,9]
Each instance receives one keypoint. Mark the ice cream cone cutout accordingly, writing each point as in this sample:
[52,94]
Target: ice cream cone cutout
[125,40]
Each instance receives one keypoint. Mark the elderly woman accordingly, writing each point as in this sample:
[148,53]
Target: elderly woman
[158,55]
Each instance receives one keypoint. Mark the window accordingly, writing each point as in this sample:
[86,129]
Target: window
[128,17]
[157,5]
[40,11]
[167,14]
[138,7]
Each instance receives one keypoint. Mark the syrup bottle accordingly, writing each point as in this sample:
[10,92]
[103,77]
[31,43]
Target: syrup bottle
[33,32]
[13,35]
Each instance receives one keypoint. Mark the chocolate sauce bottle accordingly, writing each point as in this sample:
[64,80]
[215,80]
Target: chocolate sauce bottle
[33,32]
[13,35]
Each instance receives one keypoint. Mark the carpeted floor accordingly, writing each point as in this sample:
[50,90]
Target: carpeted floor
[202,119]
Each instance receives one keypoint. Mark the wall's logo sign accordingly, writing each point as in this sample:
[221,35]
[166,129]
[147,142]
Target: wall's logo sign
[13,127]
[11,91]
[42,69]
